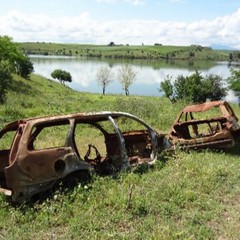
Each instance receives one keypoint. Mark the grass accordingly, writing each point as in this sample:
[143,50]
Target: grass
[150,52]
[46,97]
[184,198]
[186,195]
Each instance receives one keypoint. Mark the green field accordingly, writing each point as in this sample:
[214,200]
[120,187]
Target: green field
[186,195]
[154,52]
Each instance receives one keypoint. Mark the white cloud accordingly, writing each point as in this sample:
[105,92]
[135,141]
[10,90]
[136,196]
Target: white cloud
[85,29]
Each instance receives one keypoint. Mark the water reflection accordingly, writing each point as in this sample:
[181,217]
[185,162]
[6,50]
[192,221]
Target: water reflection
[147,81]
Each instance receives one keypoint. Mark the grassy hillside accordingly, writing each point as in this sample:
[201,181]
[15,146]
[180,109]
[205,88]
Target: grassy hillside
[187,195]
[194,52]
[39,96]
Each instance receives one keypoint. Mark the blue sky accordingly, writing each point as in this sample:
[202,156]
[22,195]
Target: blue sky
[170,22]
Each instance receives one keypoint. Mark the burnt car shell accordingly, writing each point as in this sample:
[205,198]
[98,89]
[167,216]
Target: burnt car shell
[205,132]
[27,169]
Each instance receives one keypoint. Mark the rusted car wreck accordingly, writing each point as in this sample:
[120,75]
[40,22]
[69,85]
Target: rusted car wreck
[208,125]
[36,153]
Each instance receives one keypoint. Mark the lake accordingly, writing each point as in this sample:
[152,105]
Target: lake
[149,74]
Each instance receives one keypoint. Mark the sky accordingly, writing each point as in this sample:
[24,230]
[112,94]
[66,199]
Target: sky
[214,23]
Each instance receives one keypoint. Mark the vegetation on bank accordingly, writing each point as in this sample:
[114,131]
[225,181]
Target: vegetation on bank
[234,82]
[186,195]
[194,88]
[12,60]
[150,52]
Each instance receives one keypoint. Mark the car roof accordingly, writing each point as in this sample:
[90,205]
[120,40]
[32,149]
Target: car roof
[83,117]
[204,106]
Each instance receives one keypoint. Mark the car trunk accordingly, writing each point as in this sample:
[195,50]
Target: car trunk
[9,139]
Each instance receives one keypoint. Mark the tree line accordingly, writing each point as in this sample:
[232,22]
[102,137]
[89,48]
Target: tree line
[197,88]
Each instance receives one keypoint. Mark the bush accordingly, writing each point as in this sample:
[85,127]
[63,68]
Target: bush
[5,78]
[234,82]
[194,88]
[24,66]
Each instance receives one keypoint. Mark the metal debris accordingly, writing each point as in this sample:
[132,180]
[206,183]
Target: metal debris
[207,131]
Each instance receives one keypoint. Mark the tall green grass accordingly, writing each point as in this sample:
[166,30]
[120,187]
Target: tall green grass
[186,195]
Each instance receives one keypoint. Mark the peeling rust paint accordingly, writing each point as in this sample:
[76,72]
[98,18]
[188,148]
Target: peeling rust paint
[205,132]
[27,169]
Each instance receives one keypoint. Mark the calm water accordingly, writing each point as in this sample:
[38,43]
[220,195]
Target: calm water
[149,74]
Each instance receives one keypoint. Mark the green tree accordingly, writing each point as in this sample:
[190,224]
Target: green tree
[126,77]
[213,87]
[9,51]
[61,75]
[167,87]
[234,82]
[194,88]
[188,88]
[12,60]
[5,79]
[111,44]
[24,66]
[104,76]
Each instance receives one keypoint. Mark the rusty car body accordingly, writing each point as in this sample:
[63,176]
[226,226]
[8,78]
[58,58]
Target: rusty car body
[208,125]
[36,153]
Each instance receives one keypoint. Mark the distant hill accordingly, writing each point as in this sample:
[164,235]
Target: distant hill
[150,52]
[222,47]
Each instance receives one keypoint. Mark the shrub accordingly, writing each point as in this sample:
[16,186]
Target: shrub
[5,78]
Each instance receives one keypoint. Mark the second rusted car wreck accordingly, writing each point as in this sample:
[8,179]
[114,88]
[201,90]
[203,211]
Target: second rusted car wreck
[208,125]
[36,153]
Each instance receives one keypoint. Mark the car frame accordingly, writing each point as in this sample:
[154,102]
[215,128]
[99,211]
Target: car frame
[27,169]
[218,131]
